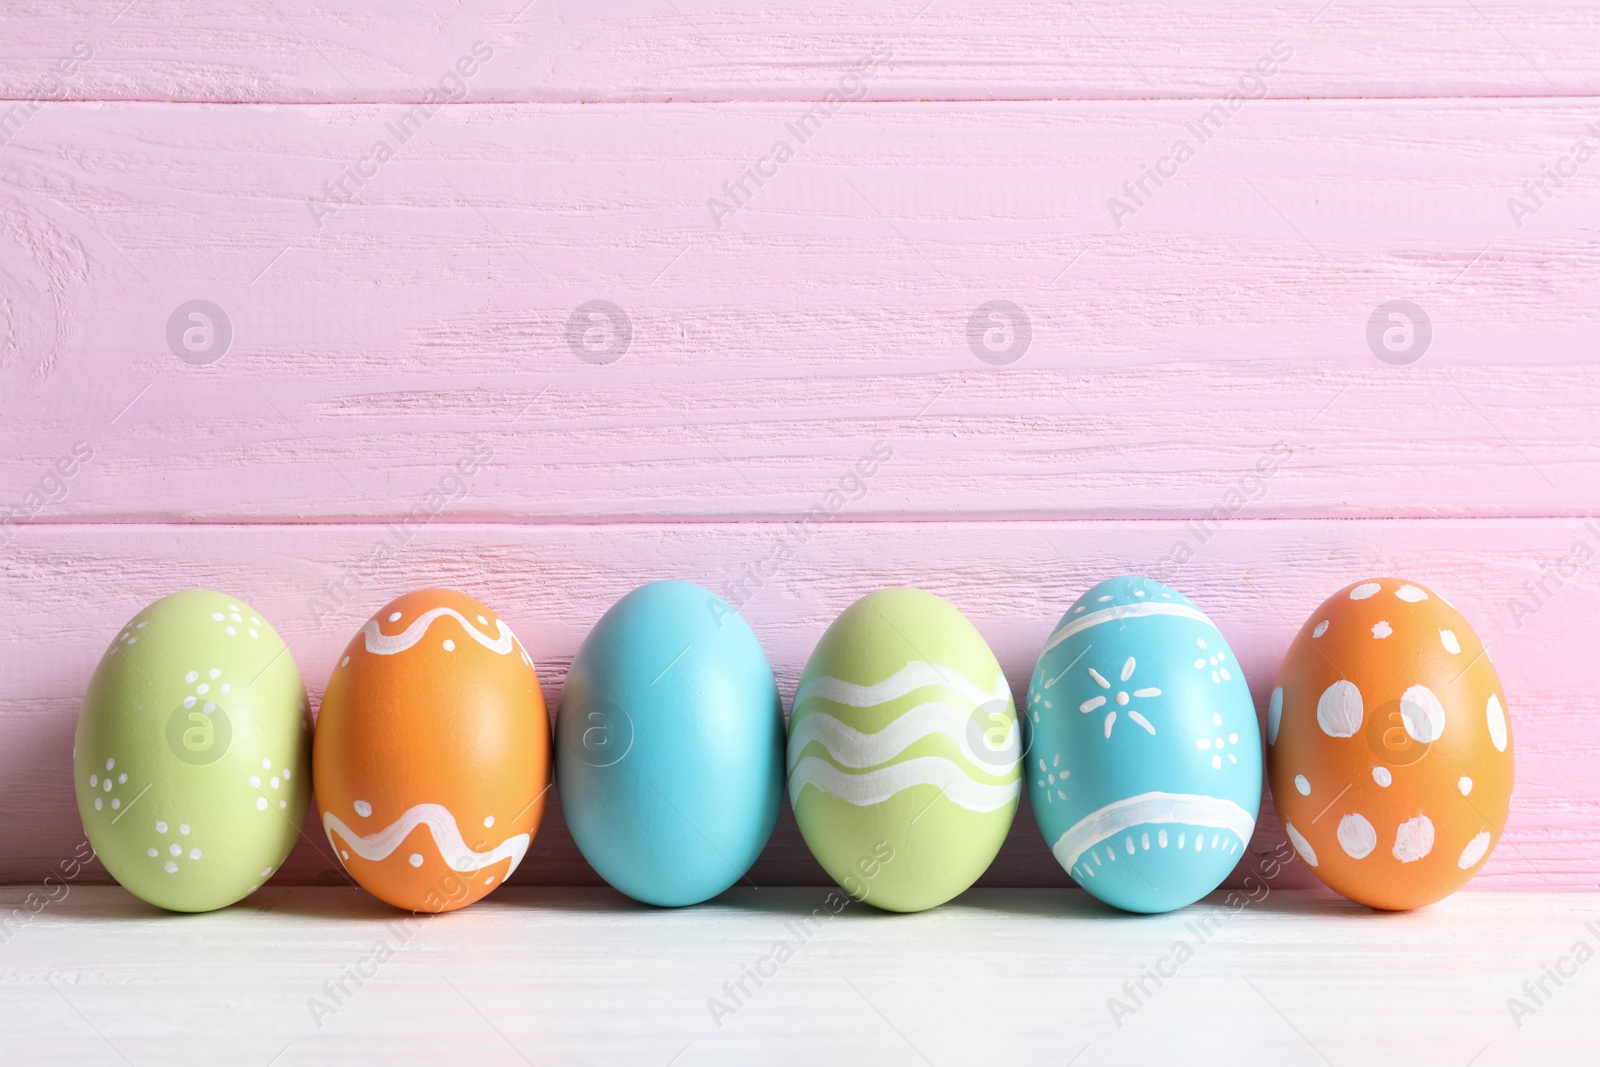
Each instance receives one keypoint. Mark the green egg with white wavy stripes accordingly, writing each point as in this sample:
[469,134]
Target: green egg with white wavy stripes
[903,752]
[192,757]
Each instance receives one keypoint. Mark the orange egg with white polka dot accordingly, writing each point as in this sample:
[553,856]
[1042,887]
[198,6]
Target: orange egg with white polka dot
[432,752]
[1389,745]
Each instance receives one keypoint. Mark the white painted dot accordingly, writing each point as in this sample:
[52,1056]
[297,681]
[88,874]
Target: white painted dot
[110,763]
[1216,763]
[1199,664]
[255,620]
[274,782]
[489,880]
[252,889]
[1364,590]
[1465,785]
[233,607]
[1356,836]
[152,853]
[255,781]
[1203,744]
[1381,630]
[217,615]
[189,702]
[482,621]
[1216,720]
[203,688]
[1216,676]
[1339,709]
[1382,776]
[1122,699]
[214,673]
[287,773]
[261,803]
[1233,739]
[266,765]
[1226,677]
[161,827]
[1274,715]
[1303,786]
[183,828]
[115,803]
[208,707]
[344,854]
[1301,845]
[1410,594]
[231,632]
[106,784]
[1144,841]
[1475,850]
[416,859]
[363,809]
[1421,714]
[122,779]
[1447,638]
[265,871]
[236,617]
[253,632]
[1199,643]
[194,853]
[98,803]
[170,868]
[192,677]
[94,781]
[1496,715]
[345,662]
[489,821]
[1414,839]
[283,803]
[176,850]
[1321,628]
[449,645]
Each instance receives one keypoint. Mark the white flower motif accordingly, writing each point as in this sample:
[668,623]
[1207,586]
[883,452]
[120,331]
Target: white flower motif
[1120,699]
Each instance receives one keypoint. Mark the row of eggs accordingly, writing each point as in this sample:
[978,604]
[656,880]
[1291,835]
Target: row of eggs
[1387,748]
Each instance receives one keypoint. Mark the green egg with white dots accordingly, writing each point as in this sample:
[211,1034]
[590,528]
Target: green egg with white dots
[192,758]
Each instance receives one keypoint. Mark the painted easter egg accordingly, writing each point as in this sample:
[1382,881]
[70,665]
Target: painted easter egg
[1389,745]
[1144,770]
[432,752]
[192,754]
[669,745]
[903,751]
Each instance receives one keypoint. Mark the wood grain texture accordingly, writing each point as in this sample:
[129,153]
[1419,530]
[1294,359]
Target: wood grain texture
[565,976]
[67,589]
[651,50]
[376,342]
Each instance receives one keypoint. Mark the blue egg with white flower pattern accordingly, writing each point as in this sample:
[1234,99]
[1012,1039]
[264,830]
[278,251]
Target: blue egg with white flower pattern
[1145,766]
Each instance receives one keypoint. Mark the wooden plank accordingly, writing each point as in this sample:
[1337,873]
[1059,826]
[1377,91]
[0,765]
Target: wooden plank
[567,50]
[330,976]
[1172,350]
[68,588]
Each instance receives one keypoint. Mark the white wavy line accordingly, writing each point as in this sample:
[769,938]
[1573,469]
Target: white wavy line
[382,644]
[442,825]
[1123,611]
[856,749]
[874,787]
[915,675]
[1187,808]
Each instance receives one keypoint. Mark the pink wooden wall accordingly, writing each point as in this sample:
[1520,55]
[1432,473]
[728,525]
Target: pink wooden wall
[180,152]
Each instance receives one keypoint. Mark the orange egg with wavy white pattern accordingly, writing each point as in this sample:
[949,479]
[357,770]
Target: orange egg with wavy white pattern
[432,752]
[1389,745]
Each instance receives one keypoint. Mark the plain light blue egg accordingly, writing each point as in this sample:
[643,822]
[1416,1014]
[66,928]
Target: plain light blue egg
[1144,769]
[669,745]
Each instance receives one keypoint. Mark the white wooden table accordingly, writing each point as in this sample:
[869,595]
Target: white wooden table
[1003,976]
